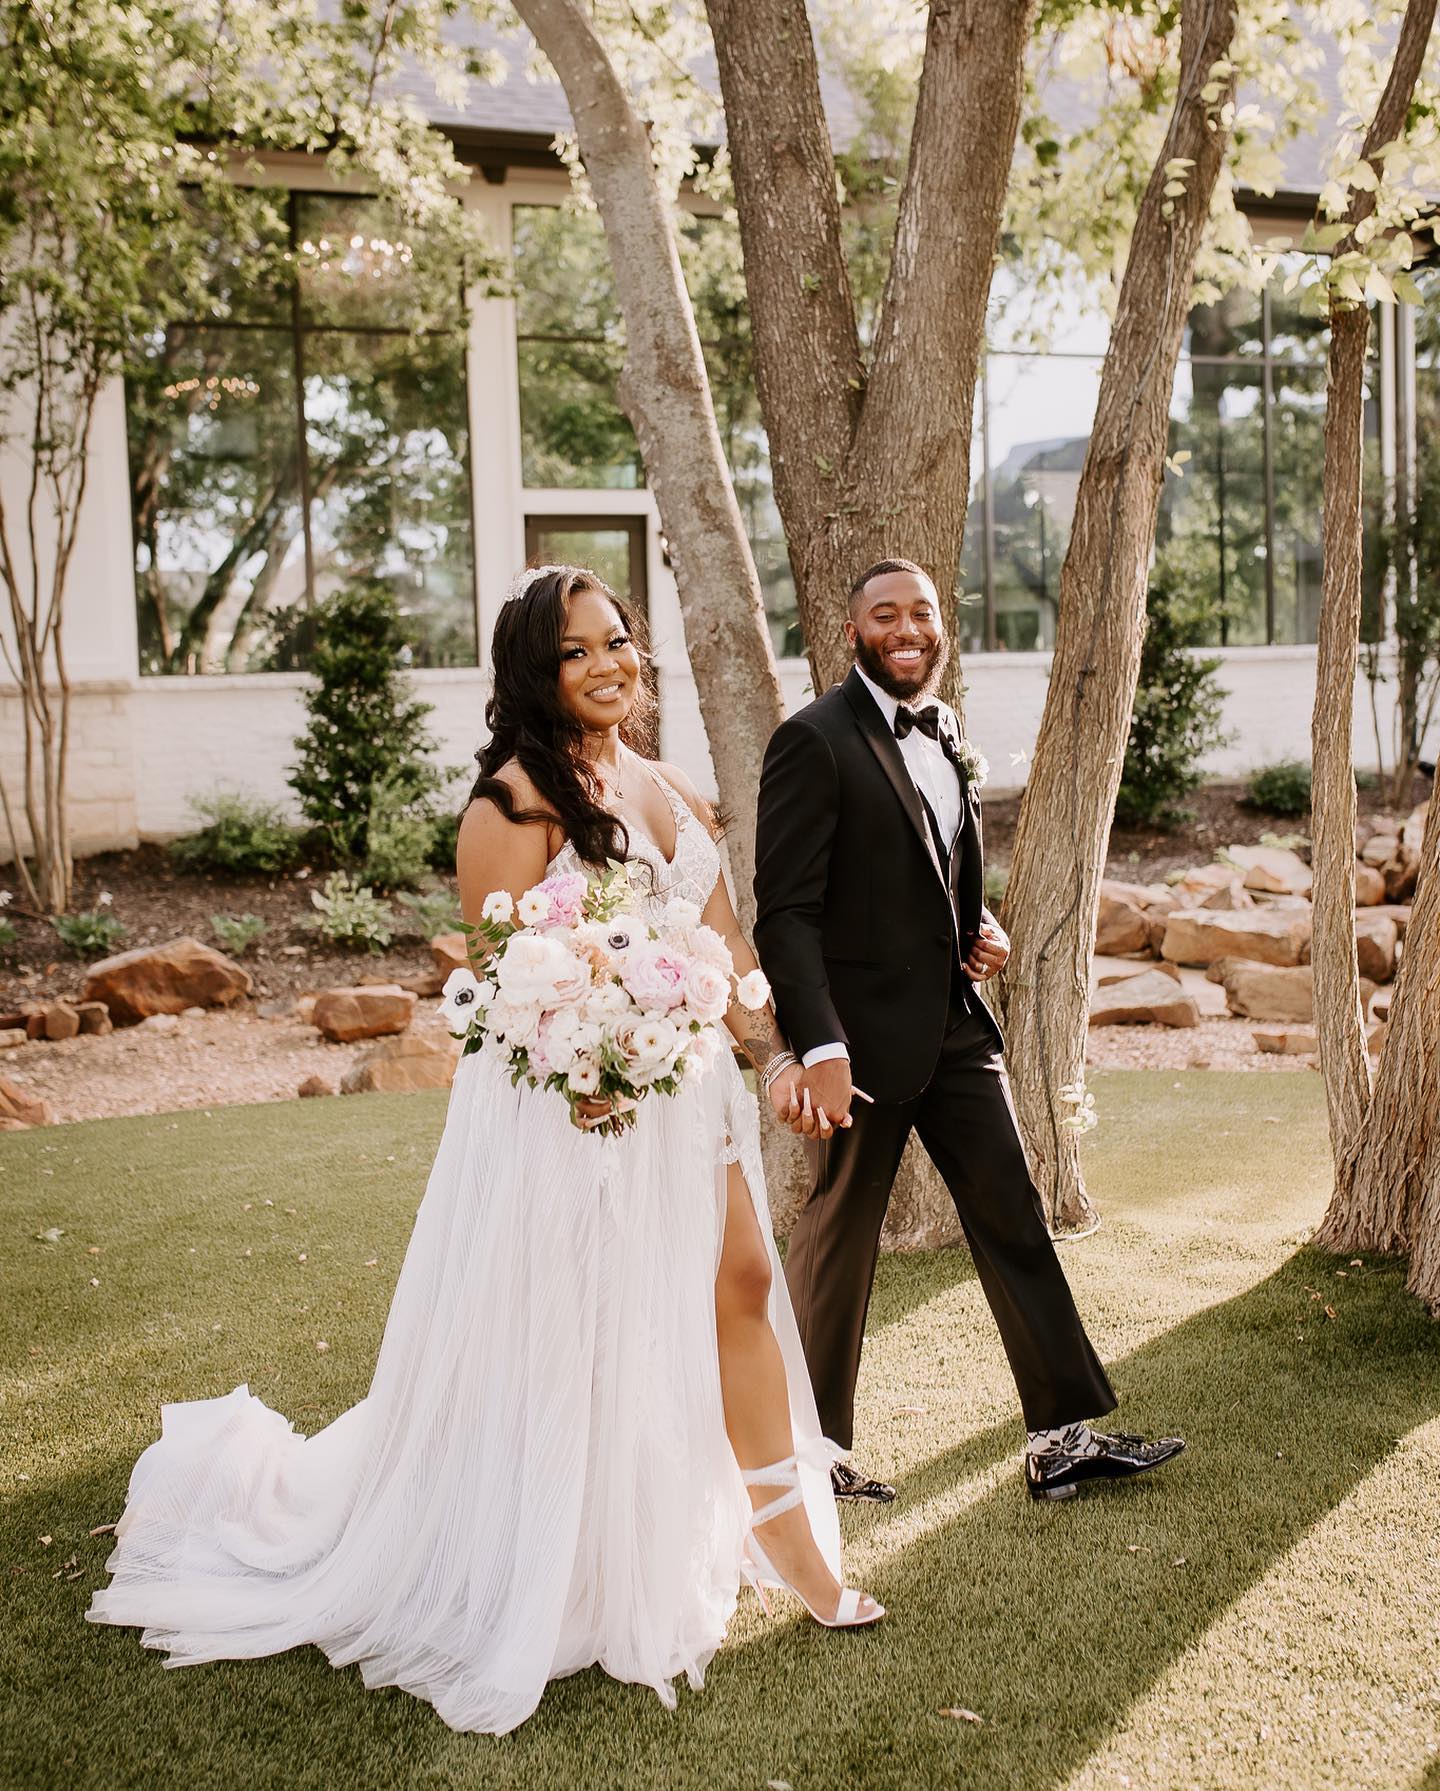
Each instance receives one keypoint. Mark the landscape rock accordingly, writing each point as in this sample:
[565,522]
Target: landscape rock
[61,1021]
[19,1109]
[1229,897]
[1262,899]
[1380,1007]
[1284,992]
[1121,930]
[1295,1042]
[400,1066]
[95,1018]
[11,1036]
[279,1009]
[161,1023]
[429,983]
[1126,976]
[1369,885]
[1150,997]
[1376,937]
[1203,880]
[449,953]
[313,1087]
[304,1008]
[1263,935]
[365,1012]
[164,979]
[1379,849]
[1399,912]
[1375,1037]
[1275,869]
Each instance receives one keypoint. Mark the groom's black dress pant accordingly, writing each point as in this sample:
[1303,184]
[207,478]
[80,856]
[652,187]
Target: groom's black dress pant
[966,1120]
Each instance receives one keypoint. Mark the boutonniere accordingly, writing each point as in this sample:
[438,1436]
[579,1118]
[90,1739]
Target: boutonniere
[972,762]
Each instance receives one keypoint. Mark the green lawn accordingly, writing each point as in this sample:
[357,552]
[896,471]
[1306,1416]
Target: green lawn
[1260,1614]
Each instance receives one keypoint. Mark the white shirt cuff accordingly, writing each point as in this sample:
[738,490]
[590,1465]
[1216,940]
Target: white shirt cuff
[824,1054]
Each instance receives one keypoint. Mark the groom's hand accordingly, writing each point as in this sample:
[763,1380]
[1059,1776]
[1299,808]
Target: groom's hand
[989,952]
[824,1092]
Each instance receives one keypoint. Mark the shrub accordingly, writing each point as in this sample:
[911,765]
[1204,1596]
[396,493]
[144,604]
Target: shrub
[446,840]
[351,914]
[398,840]
[1282,789]
[367,729]
[8,935]
[1176,717]
[90,935]
[238,932]
[241,833]
[434,910]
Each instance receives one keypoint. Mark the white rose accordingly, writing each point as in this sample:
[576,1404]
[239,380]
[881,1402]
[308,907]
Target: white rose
[707,991]
[606,1001]
[681,913]
[706,943]
[584,1077]
[516,1021]
[753,991]
[702,1052]
[530,966]
[652,1040]
[533,908]
[499,906]
[572,981]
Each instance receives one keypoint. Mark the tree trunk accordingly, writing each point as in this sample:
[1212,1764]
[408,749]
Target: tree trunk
[1052,899]
[666,395]
[1380,1179]
[1366,1211]
[868,461]
[1339,1017]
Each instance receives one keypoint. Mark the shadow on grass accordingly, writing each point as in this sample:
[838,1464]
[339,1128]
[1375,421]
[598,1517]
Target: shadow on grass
[1049,1621]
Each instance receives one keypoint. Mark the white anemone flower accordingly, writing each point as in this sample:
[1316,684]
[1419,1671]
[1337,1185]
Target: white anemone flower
[460,1001]
[753,990]
[499,906]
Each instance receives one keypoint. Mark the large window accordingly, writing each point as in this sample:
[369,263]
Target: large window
[1239,530]
[307,439]
[570,349]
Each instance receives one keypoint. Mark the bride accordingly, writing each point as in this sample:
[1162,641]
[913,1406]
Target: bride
[590,1416]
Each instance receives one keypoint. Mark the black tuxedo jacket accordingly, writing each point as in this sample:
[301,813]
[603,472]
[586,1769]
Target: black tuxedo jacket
[860,927]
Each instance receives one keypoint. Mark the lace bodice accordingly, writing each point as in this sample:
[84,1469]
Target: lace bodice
[692,873]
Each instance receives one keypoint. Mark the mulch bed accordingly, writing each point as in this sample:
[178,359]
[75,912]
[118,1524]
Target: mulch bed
[157,899]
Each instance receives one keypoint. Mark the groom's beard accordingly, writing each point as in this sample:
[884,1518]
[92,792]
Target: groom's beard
[932,670]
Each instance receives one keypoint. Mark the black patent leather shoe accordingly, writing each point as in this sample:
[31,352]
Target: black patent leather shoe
[847,1484]
[1060,1475]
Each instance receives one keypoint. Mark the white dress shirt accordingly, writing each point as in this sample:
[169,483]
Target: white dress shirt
[935,778]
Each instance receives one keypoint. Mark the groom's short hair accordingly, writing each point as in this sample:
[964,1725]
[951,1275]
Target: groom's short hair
[878,570]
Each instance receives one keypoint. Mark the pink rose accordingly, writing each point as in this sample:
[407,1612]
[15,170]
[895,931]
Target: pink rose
[654,976]
[567,897]
[707,991]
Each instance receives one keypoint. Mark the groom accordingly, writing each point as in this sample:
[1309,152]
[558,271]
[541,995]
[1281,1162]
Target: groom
[872,930]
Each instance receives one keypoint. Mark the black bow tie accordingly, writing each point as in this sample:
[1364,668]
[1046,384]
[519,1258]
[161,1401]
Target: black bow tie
[927,720]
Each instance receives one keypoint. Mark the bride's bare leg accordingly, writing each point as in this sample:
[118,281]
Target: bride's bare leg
[757,1401]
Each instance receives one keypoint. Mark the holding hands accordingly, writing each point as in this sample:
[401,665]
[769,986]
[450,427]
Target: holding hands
[816,1103]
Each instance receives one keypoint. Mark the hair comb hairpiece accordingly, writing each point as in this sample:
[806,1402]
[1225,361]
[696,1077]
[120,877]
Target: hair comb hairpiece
[522,581]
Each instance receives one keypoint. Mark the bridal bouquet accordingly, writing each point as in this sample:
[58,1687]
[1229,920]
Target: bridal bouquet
[579,994]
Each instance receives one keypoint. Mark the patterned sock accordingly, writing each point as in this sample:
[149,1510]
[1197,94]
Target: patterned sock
[1070,1439]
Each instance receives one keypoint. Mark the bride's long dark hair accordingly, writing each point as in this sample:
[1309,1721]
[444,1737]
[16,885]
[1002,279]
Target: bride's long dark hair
[531,725]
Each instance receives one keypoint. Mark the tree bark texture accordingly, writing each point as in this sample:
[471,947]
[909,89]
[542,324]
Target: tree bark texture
[1339,1016]
[1378,1146]
[870,460]
[666,395]
[1052,899]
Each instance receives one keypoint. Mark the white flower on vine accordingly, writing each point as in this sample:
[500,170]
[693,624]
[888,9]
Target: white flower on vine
[6,897]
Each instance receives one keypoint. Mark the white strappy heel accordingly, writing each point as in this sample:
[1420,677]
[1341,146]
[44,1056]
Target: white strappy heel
[759,1567]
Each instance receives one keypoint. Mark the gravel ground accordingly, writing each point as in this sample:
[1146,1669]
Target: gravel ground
[225,1059]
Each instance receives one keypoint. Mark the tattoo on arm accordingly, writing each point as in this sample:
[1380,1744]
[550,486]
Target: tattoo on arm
[761,1037]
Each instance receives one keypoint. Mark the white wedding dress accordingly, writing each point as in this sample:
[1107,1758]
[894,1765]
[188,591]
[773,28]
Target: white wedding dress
[539,1478]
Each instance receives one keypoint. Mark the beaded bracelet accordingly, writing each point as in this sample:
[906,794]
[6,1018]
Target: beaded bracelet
[782,1060]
